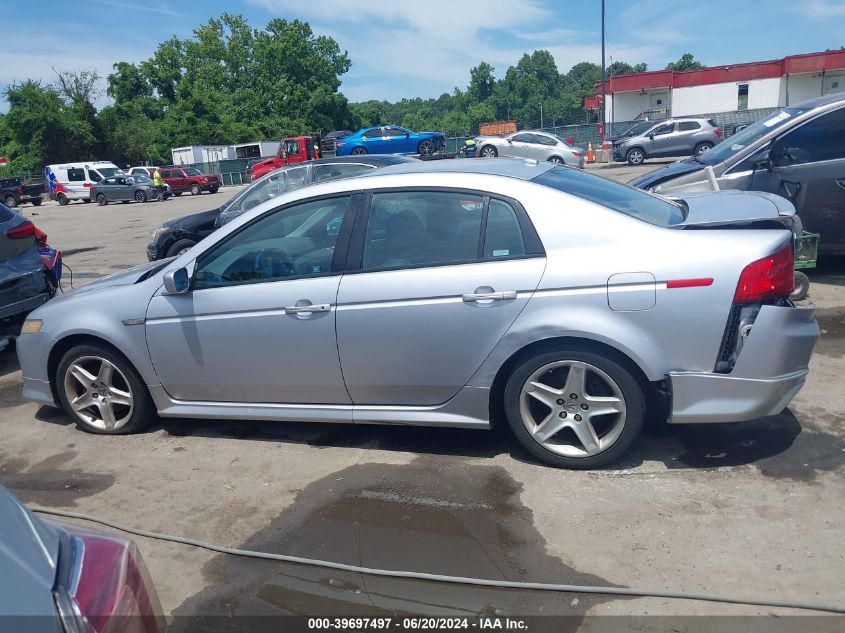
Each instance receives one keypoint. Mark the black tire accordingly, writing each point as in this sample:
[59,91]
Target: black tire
[143,411]
[140,196]
[359,151]
[425,148]
[802,286]
[213,190]
[635,156]
[36,202]
[702,147]
[10,201]
[195,189]
[488,151]
[62,199]
[179,245]
[632,392]
[177,193]
[101,199]
[557,160]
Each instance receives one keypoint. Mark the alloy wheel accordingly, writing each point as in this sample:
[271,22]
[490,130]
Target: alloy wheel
[572,408]
[98,393]
[488,152]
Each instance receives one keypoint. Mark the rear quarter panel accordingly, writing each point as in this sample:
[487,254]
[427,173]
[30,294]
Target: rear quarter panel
[586,244]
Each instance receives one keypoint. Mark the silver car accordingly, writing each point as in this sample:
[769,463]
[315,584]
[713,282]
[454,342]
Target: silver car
[531,144]
[122,188]
[447,293]
[672,137]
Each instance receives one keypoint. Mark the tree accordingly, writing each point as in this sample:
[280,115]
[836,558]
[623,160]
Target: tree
[481,82]
[686,62]
[623,68]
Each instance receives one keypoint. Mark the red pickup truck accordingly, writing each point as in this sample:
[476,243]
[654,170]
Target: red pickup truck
[182,179]
[295,149]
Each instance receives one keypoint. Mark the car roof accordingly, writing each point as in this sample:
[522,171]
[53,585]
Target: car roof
[522,169]
[820,101]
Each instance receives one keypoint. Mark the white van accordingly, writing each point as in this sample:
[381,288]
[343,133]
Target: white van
[72,181]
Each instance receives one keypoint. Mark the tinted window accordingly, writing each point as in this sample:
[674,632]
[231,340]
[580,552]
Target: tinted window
[544,140]
[374,133]
[523,138]
[410,228]
[663,129]
[166,173]
[190,171]
[296,242]
[686,126]
[393,131]
[503,237]
[613,195]
[323,173]
[742,97]
[822,138]
[75,174]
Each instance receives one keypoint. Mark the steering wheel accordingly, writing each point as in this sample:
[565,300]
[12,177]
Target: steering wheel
[273,262]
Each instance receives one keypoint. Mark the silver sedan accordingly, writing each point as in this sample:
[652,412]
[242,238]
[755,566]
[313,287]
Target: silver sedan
[447,293]
[536,145]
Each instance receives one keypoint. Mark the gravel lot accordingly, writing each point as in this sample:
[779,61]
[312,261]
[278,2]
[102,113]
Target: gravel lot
[747,509]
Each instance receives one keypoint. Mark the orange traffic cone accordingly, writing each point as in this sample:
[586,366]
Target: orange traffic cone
[590,157]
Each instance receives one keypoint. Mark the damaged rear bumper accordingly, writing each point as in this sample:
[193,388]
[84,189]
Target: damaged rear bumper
[770,370]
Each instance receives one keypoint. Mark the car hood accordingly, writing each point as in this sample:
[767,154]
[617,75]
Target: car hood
[726,208]
[123,278]
[28,553]
[658,176]
[194,220]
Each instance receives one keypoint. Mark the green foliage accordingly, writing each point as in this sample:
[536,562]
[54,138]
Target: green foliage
[686,62]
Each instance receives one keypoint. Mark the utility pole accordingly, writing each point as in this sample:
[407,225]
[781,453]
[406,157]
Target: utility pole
[603,79]
[541,115]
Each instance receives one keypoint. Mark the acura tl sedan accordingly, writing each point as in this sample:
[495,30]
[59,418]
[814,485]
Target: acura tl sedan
[447,293]
[531,144]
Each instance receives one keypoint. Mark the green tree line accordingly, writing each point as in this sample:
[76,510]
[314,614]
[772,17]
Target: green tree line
[231,83]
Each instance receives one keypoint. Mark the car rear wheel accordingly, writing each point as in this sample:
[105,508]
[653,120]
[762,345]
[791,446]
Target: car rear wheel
[140,196]
[10,202]
[703,147]
[358,151]
[425,148]
[635,156]
[488,151]
[802,286]
[102,392]
[101,199]
[557,160]
[61,199]
[195,190]
[574,409]
[179,247]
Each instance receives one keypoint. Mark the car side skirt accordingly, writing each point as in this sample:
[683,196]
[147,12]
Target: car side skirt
[468,409]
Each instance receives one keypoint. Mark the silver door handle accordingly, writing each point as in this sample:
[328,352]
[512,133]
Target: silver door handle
[317,307]
[490,296]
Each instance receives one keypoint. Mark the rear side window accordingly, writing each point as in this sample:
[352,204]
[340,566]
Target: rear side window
[712,123]
[76,174]
[823,138]
[374,133]
[502,236]
[613,195]
[544,140]
[686,126]
[323,173]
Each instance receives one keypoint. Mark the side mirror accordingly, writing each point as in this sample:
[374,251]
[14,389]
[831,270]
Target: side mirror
[407,135]
[177,282]
[764,161]
[651,136]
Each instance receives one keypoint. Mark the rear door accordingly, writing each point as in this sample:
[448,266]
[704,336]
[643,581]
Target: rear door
[686,137]
[178,179]
[437,277]
[374,140]
[809,169]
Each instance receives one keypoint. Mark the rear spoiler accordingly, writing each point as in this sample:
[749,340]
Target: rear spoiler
[737,209]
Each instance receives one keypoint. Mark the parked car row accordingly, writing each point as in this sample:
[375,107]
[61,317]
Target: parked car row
[183,179]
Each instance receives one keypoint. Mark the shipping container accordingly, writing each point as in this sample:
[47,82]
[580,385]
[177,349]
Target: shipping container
[497,128]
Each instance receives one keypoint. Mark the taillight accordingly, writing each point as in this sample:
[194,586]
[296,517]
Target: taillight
[718,132]
[102,584]
[769,278]
[20,191]
[577,154]
[27,229]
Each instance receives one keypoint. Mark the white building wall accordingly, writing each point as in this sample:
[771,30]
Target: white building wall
[183,155]
[765,93]
[626,105]
[704,99]
[803,87]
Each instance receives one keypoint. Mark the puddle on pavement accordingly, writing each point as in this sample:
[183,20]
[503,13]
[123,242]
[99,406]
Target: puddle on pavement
[426,516]
[777,445]
[46,483]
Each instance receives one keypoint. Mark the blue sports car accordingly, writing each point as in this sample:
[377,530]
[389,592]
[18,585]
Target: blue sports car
[391,139]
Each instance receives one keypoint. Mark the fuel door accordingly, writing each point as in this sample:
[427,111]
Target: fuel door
[631,292]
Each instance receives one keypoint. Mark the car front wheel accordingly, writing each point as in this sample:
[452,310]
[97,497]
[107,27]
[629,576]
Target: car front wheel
[102,392]
[574,408]
[488,151]
[426,148]
[635,156]
[195,190]
[140,196]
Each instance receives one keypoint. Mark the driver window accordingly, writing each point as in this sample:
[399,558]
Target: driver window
[523,138]
[663,129]
[821,139]
[292,243]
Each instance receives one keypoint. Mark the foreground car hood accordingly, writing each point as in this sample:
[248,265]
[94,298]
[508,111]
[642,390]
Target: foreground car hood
[724,208]
[651,179]
[124,278]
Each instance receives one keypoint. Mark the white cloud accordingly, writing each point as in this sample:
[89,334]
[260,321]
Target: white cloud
[821,9]
[147,8]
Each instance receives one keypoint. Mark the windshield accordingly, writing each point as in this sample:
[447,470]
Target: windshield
[192,171]
[749,136]
[638,129]
[635,203]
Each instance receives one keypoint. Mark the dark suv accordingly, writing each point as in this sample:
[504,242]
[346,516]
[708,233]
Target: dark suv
[13,192]
[797,152]
[672,137]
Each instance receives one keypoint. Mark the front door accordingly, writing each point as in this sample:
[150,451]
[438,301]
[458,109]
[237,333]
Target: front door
[259,324]
[520,145]
[661,142]
[432,293]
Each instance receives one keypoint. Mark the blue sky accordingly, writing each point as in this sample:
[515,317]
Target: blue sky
[404,48]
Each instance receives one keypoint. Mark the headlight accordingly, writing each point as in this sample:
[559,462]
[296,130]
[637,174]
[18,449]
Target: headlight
[31,326]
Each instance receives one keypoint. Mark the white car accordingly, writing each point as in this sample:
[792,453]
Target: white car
[531,144]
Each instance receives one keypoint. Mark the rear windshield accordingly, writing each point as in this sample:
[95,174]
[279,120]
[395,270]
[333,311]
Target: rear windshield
[613,195]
